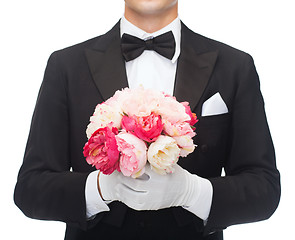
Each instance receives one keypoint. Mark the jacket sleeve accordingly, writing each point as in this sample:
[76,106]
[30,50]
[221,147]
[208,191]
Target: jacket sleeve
[250,191]
[46,187]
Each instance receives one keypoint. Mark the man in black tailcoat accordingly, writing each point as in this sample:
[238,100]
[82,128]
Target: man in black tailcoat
[221,85]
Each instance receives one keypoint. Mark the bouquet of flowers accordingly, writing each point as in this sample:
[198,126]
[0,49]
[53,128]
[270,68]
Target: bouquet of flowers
[139,125]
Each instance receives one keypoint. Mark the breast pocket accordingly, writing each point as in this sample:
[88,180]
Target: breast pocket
[212,139]
[210,126]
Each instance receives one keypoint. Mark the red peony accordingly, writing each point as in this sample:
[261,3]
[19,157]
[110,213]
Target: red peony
[147,128]
[101,150]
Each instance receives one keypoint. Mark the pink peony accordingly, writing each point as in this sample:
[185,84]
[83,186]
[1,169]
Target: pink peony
[147,128]
[139,101]
[101,150]
[178,129]
[193,116]
[170,109]
[132,154]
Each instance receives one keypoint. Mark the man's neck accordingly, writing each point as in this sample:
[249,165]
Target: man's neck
[153,22]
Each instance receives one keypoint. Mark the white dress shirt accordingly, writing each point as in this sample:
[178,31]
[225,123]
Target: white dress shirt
[150,70]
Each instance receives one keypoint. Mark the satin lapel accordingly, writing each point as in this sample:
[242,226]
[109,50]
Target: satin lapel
[194,68]
[106,63]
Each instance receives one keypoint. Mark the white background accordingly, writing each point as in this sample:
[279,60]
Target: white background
[31,30]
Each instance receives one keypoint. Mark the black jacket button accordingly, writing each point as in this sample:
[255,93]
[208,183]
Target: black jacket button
[204,148]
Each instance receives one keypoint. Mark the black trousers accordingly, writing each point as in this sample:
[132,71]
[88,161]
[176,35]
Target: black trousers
[142,225]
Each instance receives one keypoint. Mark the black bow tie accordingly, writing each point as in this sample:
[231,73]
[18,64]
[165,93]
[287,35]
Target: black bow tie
[133,47]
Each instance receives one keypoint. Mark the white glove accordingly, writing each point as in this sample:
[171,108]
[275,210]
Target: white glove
[113,186]
[110,185]
[153,191]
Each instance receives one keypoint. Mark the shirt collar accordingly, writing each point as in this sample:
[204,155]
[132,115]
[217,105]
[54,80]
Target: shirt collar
[174,26]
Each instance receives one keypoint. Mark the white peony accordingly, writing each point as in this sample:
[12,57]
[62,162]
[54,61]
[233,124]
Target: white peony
[186,145]
[103,115]
[163,154]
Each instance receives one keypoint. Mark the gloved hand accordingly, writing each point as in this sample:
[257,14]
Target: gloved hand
[109,186]
[153,191]
[113,186]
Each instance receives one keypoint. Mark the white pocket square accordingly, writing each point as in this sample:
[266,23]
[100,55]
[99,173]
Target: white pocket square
[214,106]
